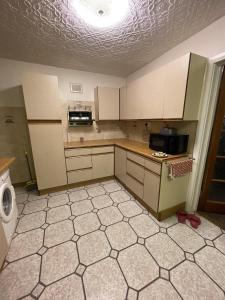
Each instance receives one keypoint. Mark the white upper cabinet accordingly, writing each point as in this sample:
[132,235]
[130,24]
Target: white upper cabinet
[41,96]
[106,103]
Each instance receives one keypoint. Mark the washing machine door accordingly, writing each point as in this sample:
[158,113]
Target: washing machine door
[7,202]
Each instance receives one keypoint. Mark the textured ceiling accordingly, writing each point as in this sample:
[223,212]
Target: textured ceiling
[49,32]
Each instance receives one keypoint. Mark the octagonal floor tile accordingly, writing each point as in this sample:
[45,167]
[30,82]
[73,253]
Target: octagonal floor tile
[69,288]
[192,283]
[58,262]
[164,250]
[35,206]
[104,280]
[81,207]
[19,278]
[207,229]
[130,209]
[167,222]
[138,266]
[21,198]
[93,247]
[186,238]
[120,196]
[86,223]
[57,214]
[31,221]
[121,235]
[212,262]
[112,187]
[58,200]
[102,201]
[96,191]
[220,243]
[159,289]
[144,226]
[110,215]
[58,233]
[25,244]
[78,195]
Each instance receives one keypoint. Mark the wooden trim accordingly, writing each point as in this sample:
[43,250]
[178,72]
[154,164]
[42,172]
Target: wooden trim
[44,121]
[135,178]
[164,214]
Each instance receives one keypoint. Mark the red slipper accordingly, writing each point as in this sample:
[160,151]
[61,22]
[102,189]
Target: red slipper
[195,221]
[182,216]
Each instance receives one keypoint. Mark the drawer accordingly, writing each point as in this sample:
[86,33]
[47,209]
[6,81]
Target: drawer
[135,170]
[136,187]
[153,166]
[78,162]
[77,152]
[79,176]
[97,150]
[136,158]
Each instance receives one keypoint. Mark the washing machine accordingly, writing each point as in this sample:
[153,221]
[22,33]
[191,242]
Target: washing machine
[8,207]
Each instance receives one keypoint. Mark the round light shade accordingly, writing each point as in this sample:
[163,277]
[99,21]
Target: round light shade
[101,13]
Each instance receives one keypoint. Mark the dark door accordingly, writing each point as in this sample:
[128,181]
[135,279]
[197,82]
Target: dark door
[212,197]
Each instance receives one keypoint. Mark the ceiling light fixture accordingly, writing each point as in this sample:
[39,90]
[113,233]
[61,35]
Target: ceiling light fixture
[101,13]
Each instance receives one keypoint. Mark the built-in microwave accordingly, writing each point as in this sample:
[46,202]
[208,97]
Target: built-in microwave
[170,144]
[80,118]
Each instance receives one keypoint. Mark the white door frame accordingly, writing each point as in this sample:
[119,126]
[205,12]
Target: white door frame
[206,118]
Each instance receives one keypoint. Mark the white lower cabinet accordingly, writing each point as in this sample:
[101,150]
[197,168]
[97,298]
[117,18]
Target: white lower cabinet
[79,176]
[103,165]
[151,190]
[135,186]
[120,164]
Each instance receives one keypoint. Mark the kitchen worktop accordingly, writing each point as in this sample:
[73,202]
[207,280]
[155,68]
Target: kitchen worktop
[134,146]
[5,163]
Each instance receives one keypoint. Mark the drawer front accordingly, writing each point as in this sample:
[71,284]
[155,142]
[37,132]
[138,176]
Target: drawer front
[108,149]
[135,170]
[153,166]
[79,176]
[136,158]
[151,190]
[135,186]
[78,162]
[77,152]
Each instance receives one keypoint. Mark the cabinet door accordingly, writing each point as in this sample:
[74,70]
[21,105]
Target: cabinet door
[151,190]
[108,103]
[120,164]
[131,107]
[175,88]
[103,165]
[41,96]
[48,154]
[123,104]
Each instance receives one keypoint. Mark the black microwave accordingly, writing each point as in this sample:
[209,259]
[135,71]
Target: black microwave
[170,144]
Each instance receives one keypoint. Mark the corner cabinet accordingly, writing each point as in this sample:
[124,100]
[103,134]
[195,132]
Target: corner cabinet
[172,91]
[106,103]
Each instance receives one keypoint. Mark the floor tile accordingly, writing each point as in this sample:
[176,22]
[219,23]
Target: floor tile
[164,250]
[69,288]
[144,226]
[38,290]
[160,290]
[121,235]
[129,209]
[58,200]
[104,280]
[96,191]
[25,244]
[86,223]
[186,238]
[110,215]
[81,207]
[220,243]
[20,190]
[112,187]
[80,269]
[132,294]
[167,222]
[31,221]
[192,283]
[35,206]
[58,233]
[35,196]
[207,229]
[164,274]
[138,266]
[93,247]
[213,263]
[57,214]
[21,198]
[78,195]
[19,278]
[58,262]
[120,196]
[20,208]
[102,201]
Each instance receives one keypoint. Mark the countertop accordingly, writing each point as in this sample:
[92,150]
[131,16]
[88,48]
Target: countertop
[134,146]
[5,163]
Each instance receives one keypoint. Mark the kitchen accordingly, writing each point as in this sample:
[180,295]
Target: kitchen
[113,158]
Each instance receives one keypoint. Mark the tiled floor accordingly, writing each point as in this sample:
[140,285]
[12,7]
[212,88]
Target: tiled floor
[98,243]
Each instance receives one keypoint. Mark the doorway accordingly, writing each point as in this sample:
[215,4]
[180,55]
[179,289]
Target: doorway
[212,198]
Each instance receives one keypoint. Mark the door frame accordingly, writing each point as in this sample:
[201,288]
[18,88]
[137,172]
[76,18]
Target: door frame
[207,111]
